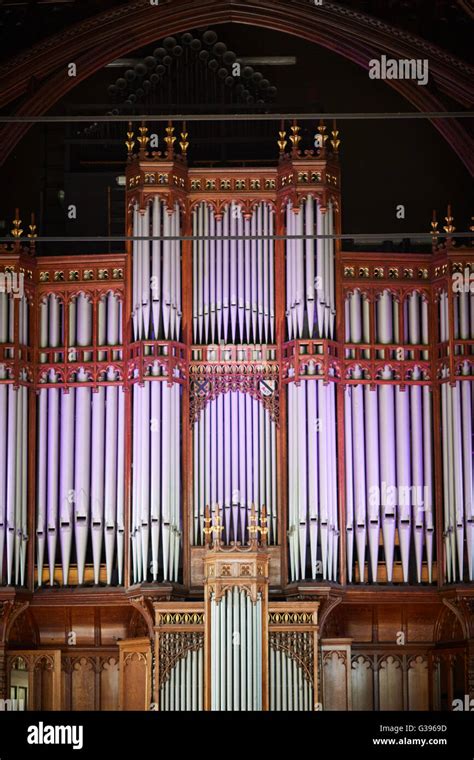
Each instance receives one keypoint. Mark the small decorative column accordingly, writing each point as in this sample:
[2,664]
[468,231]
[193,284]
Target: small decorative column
[236,613]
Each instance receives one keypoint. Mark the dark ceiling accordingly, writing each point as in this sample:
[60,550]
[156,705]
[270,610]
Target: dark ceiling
[446,23]
[384,163]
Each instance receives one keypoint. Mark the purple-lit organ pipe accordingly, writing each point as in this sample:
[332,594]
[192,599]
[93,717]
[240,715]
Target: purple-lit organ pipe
[458,474]
[404,480]
[467,389]
[312,497]
[310,298]
[156,501]
[12,483]
[53,466]
[373,475]
[3,459]
[403,454]
[360,493]
[235,464]
[97,477]
[349,480]
[156,272]
[156,265]
[79,483]
[66,479]
[82,471]
[233,280]
[418,502]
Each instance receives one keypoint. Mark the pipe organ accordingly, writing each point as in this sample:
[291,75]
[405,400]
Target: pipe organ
[241,418]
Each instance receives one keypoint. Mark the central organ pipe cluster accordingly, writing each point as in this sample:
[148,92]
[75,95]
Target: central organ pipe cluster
[233,280]
[236,651]
[235,465]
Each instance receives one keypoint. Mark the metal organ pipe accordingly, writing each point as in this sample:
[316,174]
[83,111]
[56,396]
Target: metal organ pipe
[236,652]
[310,301]
[79,480]
[233,280]
[398,482]
[312,505]
[235,464]
[289,685]
[156,522]
[182,686]
[456,418]
[156,272]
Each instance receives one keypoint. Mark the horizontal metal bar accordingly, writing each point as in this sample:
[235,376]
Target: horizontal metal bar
[384,238]
[254,60]
[237,117]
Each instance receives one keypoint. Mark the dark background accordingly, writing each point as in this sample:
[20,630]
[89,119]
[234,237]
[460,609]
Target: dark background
[384,163]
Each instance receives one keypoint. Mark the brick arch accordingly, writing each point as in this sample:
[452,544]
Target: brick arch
[40,76]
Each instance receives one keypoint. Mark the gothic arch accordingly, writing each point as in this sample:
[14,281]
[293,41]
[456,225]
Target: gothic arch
[40,73]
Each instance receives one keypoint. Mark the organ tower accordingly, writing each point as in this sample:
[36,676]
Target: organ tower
[219,441]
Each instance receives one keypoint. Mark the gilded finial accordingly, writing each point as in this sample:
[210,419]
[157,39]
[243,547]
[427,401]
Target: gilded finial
[252,526]
[295,138]
[217,526]
[434,228]
[263,529]
[282,142]
[143,138]
[322,135]
[335,142]
[169,140]
[32,234]
[449,226]
[184,143]
[17,231]
[130,142]
[207,530]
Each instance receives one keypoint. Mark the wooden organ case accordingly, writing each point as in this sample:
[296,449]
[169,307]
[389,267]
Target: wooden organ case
[236,461]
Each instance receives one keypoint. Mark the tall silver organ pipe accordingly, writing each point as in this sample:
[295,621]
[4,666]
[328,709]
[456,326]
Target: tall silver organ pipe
[236,651]
[313,523]
[234,465]
[182,676]
[156,275]
[389,488]
[233,280]
[80,444]
[310,279]
[457,412]
[13,445]
[156,482]
[290,682]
